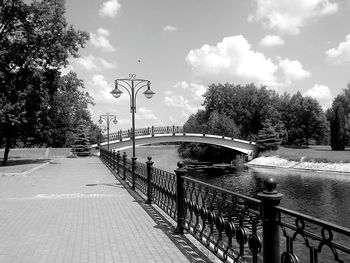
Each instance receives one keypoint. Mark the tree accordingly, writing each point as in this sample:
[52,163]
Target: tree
[36,42]
[248,106]
[268,137]
[221,124]
[80,146]
[305,119]
[196,122]
[337,128]
[313,120]
[68,107]
[344,100]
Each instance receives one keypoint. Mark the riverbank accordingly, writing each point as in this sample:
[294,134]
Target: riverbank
[278,162]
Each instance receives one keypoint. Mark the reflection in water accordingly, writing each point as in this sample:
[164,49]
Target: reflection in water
[323,195]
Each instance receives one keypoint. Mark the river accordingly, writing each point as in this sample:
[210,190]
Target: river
[322,195]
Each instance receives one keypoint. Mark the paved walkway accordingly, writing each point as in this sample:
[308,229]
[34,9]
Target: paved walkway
[74,210]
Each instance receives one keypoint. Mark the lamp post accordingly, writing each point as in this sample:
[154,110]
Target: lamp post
[108,117]
[101,129]
[132,85]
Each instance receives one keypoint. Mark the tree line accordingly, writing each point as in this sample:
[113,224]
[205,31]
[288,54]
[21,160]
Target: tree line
[39,106]
[269,118]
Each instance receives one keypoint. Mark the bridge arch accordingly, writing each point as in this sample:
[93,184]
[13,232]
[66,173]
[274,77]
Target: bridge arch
[154,135]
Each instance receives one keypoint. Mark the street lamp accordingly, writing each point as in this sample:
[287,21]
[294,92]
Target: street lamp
[101,129]
[108,117]
[130,85]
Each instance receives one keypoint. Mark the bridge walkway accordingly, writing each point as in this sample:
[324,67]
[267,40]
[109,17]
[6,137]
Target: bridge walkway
[74,210]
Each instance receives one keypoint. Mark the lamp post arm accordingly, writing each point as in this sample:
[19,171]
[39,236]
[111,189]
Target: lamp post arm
[127,89]
[124,87]
[137,91]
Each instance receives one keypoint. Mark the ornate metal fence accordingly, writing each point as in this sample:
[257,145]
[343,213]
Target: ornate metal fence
[236,228]
[120,135]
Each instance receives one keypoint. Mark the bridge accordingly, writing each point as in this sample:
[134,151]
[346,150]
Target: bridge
[168,134]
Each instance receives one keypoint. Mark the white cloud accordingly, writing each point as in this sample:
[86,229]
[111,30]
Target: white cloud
[322,94]
[232,60]
[293,70]
[91,63]
[144,113]
[86,62]
[341,53]
[290,16]
[271,41]
[101,41]
[169,28]
[148,117]
[106,64]
[172,119]
[109,8]
[100,89]
[197,91]
[180,102]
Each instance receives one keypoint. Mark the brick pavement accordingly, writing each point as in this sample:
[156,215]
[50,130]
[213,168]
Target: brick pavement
[74,210]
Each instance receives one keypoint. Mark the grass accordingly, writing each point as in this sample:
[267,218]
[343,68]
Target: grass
[315,153]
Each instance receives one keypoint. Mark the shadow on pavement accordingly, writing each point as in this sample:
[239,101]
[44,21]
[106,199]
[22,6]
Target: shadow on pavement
[14,162]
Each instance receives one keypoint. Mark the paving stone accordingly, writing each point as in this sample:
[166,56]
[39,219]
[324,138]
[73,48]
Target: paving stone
[74,210]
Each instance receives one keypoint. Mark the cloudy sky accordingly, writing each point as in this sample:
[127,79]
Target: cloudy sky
[183,46]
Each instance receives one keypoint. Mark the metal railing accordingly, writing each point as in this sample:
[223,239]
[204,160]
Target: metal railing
[236,228]
[120,135]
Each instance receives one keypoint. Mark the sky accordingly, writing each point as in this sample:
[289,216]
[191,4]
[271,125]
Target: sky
[182,46]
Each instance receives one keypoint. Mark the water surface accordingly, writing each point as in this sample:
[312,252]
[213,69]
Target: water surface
[320,194]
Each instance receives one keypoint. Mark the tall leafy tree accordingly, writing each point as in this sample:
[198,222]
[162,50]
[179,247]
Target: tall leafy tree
[343,99]
[196,122]
[305,119]
[68,107]
[35,42]
[248,106]
[221,124]
[337,124]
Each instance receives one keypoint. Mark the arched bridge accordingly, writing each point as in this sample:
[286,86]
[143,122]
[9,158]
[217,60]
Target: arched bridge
[152,135]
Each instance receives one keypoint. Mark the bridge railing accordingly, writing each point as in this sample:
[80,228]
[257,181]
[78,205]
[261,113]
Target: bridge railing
[120,135]
[236,228]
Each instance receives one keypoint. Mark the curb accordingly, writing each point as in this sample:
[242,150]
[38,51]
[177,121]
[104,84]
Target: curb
[296,169]
[26,173]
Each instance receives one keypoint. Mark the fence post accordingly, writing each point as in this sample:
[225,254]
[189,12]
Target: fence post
[118,160]
[149,181]
[271,235]
[124,166]
[133,179]
[113,160]
[180,197]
